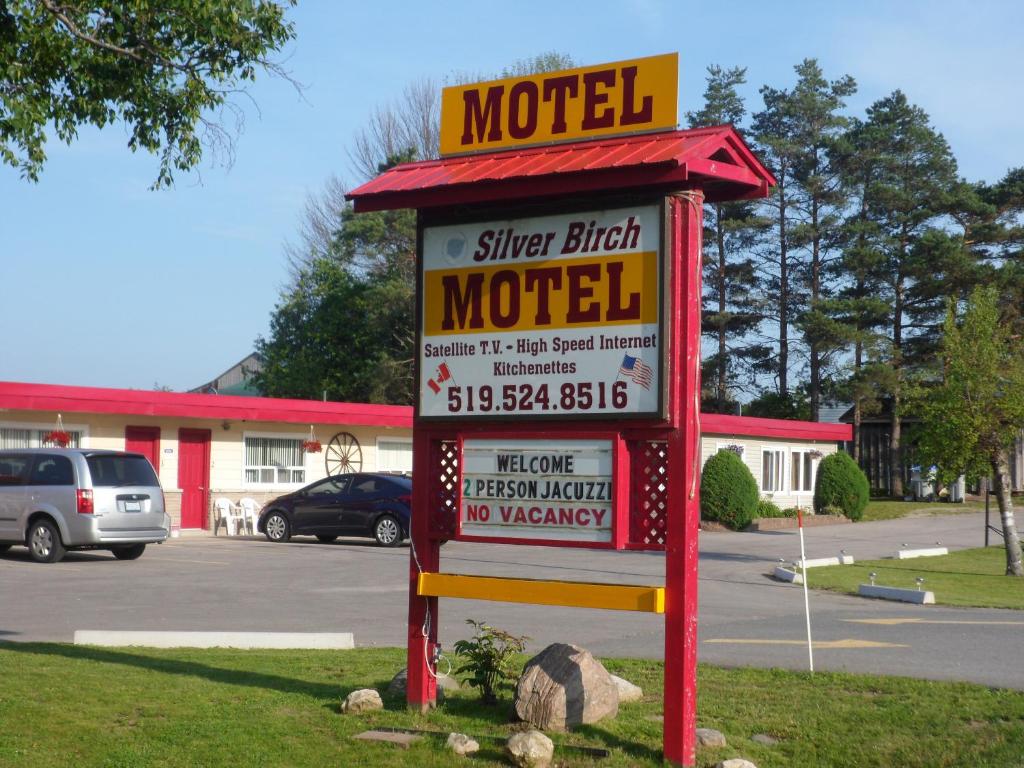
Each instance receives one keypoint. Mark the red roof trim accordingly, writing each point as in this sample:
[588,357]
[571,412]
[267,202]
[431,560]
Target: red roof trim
[136,402]
[751,426]
[15,396]
[672,158]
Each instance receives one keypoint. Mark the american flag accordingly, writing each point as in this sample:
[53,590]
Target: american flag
[636,369]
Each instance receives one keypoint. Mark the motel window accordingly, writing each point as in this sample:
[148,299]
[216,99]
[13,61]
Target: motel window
[274,461]
[803,467]
[394,455]
[773,467]
[20,437]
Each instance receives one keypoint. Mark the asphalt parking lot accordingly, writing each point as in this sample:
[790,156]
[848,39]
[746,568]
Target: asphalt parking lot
[248,584]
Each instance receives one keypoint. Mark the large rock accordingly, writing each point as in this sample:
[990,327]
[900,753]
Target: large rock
[530,749]
[564,686]
[400,682]
[736,762]
[627,691]
[363,700]
[709,737]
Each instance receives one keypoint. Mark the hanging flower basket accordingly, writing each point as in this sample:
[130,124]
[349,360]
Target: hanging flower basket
[312,445]
[58,437]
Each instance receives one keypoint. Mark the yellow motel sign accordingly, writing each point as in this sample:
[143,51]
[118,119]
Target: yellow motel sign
[635,96]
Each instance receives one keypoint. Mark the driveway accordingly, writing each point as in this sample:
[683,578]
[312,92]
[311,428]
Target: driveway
[746,618]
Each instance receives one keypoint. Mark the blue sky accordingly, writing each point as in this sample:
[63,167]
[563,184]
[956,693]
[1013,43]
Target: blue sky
[105,283]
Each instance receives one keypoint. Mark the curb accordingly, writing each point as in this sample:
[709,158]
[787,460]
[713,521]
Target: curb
[906,554]
[894,593]
[301,640]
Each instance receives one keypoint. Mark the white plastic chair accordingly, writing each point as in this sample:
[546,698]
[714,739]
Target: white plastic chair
[250,512]
[227,514]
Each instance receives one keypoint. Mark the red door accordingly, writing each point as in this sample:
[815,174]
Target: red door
[144,440]
[194,475]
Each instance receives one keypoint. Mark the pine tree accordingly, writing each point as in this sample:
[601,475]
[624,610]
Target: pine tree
[730,295]
[906,198]
[818,199]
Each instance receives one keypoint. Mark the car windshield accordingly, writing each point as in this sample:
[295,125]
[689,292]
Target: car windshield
[112,471]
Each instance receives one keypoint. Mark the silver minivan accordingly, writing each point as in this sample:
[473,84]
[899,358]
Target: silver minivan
[55,499]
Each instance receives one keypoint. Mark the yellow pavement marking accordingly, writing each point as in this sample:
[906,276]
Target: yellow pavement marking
[979,622]
[847,643]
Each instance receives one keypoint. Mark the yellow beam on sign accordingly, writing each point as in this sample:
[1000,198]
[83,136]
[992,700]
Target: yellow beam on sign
[576,594]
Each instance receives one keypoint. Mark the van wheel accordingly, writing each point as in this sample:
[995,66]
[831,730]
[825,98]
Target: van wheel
[44,543]
[129,551]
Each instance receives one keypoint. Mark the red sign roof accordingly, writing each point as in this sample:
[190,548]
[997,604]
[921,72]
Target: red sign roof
[715,159]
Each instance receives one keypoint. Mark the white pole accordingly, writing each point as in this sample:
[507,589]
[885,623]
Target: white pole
[807,602]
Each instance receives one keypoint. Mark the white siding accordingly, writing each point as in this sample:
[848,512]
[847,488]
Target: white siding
[753,448]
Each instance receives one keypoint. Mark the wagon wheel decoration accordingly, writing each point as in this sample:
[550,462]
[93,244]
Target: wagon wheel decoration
[343,455]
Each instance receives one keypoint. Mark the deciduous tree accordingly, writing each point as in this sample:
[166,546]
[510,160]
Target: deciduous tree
[168,70]
[972,415]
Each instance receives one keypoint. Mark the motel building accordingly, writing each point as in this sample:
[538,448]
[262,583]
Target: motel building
[206,447]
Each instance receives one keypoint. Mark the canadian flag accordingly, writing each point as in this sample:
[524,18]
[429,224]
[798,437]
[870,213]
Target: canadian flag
[443,372]
[434,386]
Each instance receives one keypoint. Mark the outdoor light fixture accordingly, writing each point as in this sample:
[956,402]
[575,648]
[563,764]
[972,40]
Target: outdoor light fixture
[872,576]
[919,581]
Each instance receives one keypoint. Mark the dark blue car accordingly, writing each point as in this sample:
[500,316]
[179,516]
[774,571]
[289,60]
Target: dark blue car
[364,504]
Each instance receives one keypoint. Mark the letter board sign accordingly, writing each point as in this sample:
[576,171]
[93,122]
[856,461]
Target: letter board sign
[550,490]
[546,317]
[637,96]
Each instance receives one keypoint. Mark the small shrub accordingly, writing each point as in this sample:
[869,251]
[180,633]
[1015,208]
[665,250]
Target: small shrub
[841,483]
[488,658]
[728,493]
[767,508]
[792,511]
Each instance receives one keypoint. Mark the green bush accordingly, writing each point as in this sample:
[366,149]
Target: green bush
[728,493]
[842,484]
[791,511]
[766,508]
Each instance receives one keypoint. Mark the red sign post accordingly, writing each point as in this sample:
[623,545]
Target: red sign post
[559,317]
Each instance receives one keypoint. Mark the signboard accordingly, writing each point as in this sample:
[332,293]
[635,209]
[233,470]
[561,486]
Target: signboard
[607,100]
[550,316]
[554,490]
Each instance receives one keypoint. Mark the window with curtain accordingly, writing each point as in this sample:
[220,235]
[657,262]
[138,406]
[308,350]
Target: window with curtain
[773,466]
[19,437]
[803,471]
[274,461]
[394,455]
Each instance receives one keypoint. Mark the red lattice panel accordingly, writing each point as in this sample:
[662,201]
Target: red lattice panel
[648,498]
[444,508]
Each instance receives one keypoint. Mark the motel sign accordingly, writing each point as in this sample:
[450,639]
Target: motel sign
[558,343]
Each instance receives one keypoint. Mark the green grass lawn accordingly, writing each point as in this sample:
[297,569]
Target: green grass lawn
[970,577]
[890,509]
[78,706]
